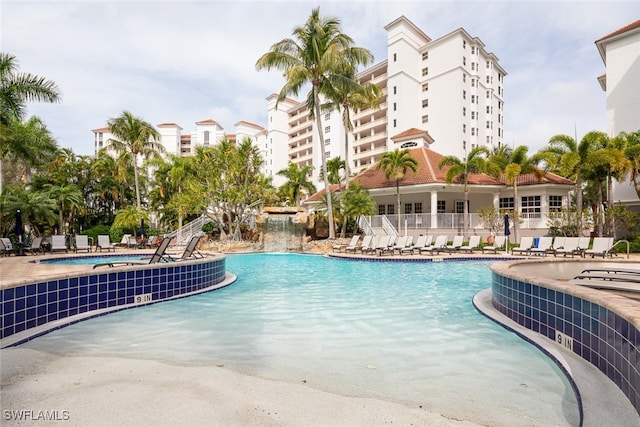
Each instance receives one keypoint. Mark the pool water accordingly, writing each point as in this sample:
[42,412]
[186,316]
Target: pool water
[402,332]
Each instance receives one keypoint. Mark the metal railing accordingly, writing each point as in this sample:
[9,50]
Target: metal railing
[184,233]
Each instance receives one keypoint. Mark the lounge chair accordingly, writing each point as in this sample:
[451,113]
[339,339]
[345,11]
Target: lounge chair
[343,248]
[58,243]
[383,244]
[498,244]
[81,243]
[602,246]
[158,256]
[612,270]
[367,244]
[353,244]
[455,244]
[545,246]
[6,247]
[568,247]
[35,246]
[474,243]
[438,246]
[583,244]
[526,243]
[401,243]
[105,243]
[408,244]
[421,242]
[190,250]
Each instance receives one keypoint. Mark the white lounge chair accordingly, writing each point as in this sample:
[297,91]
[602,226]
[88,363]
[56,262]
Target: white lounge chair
[526,243]
[58,243]
[401,243]
[353,244]
[583,244]
[498,244]
[568,247]
[419,243]
[455,244]
[473,244]
[368,243]
[438,246]
[105,243]
[602,246]
[384,243]
[5,246]
[545,245]
[81,243]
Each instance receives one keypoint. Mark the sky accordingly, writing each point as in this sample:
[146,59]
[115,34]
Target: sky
[187,61]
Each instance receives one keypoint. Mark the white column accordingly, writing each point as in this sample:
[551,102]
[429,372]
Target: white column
[434,209]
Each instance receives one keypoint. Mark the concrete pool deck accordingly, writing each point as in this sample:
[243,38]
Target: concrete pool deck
[87,390]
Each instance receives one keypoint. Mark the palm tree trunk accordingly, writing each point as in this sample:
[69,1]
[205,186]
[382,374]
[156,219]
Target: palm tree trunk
[398,197]
[327,190]
[600,219]
[346,176]
[516,209]
[137,181]
[465,213]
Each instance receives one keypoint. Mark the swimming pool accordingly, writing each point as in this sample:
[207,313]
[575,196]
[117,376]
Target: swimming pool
[403,332]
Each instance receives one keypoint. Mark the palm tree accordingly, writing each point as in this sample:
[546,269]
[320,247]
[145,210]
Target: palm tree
[68,199]
[297,182]
[357,201]
[130,218]
[606,162]
[511,163]
[136,136]
[396,164]
[475,162]
[16,89]
[632,152]
[315,56]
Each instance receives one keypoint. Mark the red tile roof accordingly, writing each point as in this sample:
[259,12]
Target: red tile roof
[105,129]
[244,122]
[207,122]
[429,173]
[629,27]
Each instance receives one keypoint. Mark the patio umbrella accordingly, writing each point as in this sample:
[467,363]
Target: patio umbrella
[506,232]
[142,227]
[19,230]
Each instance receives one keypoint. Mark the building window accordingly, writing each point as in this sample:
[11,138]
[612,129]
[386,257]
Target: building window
[206,137]
[488,79]
[464,94]
[327,116]
[327,141]
[464,77]
[417,207]
[425,71]
[425,55]
[425,87]
[464,61]
[506,204]
[464,128]
[555,203]
[473,131]
[394,123]
[488,110]
[327,129]
[473,49]
[473,66]
[408,208]
[395,57]
[488,94]
[395,90]
[531,206]
[488,64]
[327,154]
[395,106]
[425,103]
[391,209]
[425,118]
[459,207]
[464,111]
[381,210]
[473,115]
[464,44]
[441,206]
[488,125]
[473,99]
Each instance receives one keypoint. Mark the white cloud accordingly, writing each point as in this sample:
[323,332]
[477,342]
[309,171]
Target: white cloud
[183,61]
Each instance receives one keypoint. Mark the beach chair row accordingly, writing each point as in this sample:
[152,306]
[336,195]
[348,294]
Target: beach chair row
[408,245]
[565,246]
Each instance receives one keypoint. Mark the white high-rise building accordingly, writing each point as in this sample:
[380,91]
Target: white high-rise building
[620,52]
[451,88]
